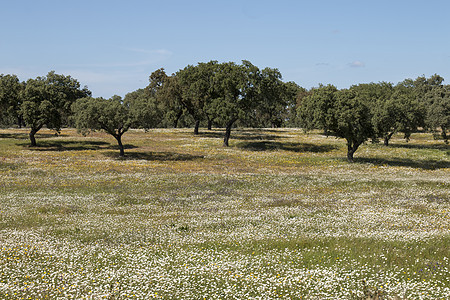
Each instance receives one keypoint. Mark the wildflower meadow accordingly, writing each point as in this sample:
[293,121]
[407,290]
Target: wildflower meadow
[280,214]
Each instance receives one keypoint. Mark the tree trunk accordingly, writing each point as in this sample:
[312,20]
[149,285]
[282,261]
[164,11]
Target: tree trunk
[32,137]
[387,137]
[351,149]
[444,134]
[228,133]
[209,124]
[33,132]
[177,118]
[197,125]
[121,148]
[20,122]
[350,153]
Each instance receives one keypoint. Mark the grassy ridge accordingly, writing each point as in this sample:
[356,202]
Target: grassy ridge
[279,214]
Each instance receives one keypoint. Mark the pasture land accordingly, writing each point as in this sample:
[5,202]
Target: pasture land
[279,214]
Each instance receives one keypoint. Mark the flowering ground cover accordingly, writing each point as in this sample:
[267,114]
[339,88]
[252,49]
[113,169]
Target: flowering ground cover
[279,214]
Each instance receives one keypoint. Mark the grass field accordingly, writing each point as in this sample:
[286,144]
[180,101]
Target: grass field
[279,214]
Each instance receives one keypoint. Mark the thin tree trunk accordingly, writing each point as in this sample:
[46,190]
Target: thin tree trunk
[33,138]
[228,133]
[33,132]
[20,121]
[209,124]
[351,149]
[387,137]
[175,123]
[444,134]
[197,125]
[121,148]
[350,153]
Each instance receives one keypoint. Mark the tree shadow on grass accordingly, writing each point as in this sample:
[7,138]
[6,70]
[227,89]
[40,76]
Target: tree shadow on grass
[211,134]
[25,135]
[240,135]
[153,156]
[428,164]
[73,146]
[286,146]
[442,147]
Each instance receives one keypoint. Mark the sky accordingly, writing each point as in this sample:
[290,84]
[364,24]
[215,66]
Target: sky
[113,46]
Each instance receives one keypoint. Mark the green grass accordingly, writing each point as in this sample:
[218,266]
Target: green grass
[279,214]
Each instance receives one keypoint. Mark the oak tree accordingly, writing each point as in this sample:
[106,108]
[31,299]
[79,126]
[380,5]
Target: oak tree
[47,101]
[438,114]
[115,116]
[342,113]
[10,99]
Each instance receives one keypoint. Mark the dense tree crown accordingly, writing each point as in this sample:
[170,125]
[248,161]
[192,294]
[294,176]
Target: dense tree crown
[10,100]
[115,116]
[343,113]
[228,95]
[46,101]
[376,110]
[438,114]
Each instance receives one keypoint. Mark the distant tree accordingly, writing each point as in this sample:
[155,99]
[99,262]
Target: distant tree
[144,109]
[315,109]
[170,96]
[293,96]
[417,89]
[351,120]
[236,89]
[47,101]
[344,113]
[115,116]
[101,114]
[401,112]
[385,112]
[10,99]
[156,82]
[273,99]
[438,115]
[198,91]
[65,90]
[423,85]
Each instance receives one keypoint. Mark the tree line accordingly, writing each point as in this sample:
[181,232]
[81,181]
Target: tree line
[228,95]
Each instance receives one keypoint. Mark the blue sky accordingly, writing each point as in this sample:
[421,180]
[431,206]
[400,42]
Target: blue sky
[113,46]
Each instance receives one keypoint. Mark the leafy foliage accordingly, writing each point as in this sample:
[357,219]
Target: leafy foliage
[274,99]
[344,113]
[314,111]
[101,114]
[47,101]
[169,96]
[229,95]
[395,110]
[438,115]
[10,99]
[351,119]
[115,116]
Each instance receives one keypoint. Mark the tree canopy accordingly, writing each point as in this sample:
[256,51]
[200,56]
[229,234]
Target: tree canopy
[342,113]
[115,116]
[230,95]
[11,90]
[47,101]
[438,115]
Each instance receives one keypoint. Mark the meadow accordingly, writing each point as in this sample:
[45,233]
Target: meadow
[280,214]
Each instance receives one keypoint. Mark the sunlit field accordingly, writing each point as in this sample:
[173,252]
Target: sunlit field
[279,214]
